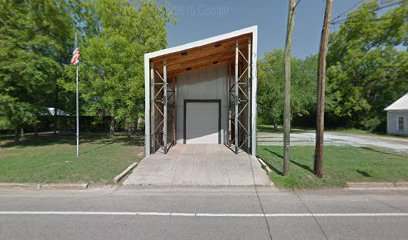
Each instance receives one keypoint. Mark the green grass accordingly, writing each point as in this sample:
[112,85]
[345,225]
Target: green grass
[364,132]
[353,131]
[342,164]
[272,129]
[51,159]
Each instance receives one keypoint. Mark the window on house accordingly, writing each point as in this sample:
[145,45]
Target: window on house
[400,123]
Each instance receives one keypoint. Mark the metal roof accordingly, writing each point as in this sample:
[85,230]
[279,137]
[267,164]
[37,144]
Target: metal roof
[400,104]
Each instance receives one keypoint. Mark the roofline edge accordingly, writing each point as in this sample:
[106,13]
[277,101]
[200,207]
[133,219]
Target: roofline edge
[205,41]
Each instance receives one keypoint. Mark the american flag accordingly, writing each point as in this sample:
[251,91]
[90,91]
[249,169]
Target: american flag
[75,54]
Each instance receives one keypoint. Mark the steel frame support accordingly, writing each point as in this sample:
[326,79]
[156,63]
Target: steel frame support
[165,147]
[174,110]
[236,100]
[249,97]
[239,99]
[152,107]
[162,110]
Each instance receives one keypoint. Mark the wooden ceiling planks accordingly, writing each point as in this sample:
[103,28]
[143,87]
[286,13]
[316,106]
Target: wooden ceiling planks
[202,57]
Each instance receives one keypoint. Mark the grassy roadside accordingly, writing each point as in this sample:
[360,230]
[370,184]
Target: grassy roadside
[279,129]
[354,131]
[51,159]
[342,164]
[365,132]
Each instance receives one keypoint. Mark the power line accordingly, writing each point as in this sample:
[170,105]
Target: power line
[297,3]
[375,10]
[371,20]
[348,10]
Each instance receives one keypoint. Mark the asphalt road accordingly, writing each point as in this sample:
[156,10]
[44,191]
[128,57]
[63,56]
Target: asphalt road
[205,213]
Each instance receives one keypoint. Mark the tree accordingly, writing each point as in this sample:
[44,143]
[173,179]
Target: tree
[32,39]
[368,65]
[270,91]
[111,70]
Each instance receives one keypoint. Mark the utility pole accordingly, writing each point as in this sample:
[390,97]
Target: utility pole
[318,163]
[286,111]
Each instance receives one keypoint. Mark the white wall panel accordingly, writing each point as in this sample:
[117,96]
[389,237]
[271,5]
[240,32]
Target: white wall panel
[392,122]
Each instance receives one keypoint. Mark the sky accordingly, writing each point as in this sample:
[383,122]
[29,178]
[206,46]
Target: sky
[198,19]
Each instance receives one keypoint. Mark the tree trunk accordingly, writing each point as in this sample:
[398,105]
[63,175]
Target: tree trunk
[16,135]
[55,118]
[35,130]
[112,126]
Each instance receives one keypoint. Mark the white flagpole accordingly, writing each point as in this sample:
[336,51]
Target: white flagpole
[77,113]
[77,102]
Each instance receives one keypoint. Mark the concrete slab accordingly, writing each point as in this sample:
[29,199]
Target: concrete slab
[199,165]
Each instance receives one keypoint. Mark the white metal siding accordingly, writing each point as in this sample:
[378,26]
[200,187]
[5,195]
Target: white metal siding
[205,84]
[202,122]
[392,122]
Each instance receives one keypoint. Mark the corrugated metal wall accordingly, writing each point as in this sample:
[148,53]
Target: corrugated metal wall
[209,83]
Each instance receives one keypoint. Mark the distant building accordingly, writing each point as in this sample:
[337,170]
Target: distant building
[51,112]
[397,117]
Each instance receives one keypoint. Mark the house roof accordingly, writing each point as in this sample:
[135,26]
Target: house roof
[400,104]
[203,53]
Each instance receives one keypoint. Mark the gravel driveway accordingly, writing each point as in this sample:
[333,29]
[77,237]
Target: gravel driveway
[336,139]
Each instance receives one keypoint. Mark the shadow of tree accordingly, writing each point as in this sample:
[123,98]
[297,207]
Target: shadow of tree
[274,153]
[363,173]
[55,139]
[382,151]
[301,165]
[271,129]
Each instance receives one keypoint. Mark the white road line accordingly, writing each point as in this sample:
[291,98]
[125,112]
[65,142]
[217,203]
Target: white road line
[181,214]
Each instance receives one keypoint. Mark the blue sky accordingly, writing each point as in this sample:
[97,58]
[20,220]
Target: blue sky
[197,19]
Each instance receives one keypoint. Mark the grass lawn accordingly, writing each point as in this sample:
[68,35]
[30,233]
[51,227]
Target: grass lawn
[51,159]
[364,132]
[342,164]
[272,129]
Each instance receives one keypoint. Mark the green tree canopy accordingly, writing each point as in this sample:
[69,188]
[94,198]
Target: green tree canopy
[112,56]
[270,90]
[33,40]
[368,65]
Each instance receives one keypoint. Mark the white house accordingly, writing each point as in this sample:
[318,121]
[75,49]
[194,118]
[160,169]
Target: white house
[203,92]
[397,117]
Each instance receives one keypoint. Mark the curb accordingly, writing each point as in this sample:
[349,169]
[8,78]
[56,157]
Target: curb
[64,186]
[44,186]
[125,172]
[377,185]
[264,165]
[267,170]
[28,186]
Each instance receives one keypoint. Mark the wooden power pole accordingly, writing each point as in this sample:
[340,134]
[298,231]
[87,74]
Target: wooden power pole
[286,111]
[318,163]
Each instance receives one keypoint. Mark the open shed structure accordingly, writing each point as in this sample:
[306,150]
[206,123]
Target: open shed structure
[203,92]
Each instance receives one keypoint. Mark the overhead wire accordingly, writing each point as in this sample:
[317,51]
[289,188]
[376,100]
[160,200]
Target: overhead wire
[355,16]
[348,10]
